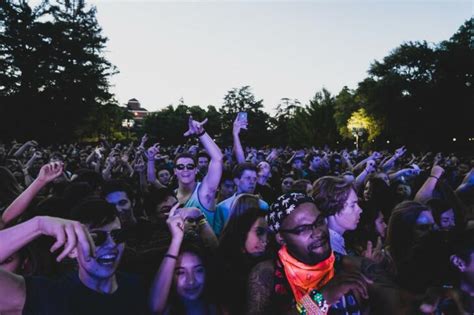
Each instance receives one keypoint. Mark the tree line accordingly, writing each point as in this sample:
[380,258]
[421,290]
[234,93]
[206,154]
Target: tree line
[54,86]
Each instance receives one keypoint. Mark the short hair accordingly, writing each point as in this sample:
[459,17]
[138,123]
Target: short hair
[300,186]
[203,154]
[311,156]
[184,155]
[330,193]
[155,197]
[95,212]
[239,169]
[162,168]
[117,185]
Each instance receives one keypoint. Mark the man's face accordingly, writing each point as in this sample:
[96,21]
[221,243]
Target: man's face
[349,216]
[264,169]
[123,205]
[162,209]
[164,177]
[308,240]
[107,255]
[203,163]
[227,188]
[187,173]
[316,162]
[286,184]
[246,183]
[298,164]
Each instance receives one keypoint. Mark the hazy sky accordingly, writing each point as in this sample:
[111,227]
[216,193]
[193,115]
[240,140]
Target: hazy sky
[200,50]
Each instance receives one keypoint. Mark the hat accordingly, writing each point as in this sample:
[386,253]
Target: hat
[282,208]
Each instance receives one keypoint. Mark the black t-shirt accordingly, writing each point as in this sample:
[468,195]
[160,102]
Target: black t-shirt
[68,295]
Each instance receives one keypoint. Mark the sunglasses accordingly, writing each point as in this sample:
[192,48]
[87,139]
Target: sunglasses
[187,166]
[119,236]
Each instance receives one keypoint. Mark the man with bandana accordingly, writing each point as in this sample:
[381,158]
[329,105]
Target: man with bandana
[307,276]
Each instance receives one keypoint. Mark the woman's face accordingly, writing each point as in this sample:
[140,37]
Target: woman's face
[189,276]
[447,220]
[380,225]
[367,191]
[257,238]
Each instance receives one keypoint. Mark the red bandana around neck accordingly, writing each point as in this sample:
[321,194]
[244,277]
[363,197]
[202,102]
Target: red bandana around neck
[304,278]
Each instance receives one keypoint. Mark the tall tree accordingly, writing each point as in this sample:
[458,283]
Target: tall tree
[55,73]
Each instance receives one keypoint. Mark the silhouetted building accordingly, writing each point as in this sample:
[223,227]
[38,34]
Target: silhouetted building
[138,112]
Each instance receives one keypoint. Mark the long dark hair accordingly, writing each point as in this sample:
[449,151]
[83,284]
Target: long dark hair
[401,229]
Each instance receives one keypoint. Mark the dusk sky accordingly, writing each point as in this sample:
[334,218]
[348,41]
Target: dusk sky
[200,50]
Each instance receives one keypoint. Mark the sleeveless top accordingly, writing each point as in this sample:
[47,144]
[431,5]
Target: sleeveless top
[194,201]
[285,302]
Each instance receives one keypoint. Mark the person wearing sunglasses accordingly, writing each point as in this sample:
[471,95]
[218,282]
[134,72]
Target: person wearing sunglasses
[307,276]
[96,241]
[190,192]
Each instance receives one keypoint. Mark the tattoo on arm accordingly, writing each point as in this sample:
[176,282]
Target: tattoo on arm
[260,287]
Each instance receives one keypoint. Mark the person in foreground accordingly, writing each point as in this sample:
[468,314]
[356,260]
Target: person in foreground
[96,241]
[307,276]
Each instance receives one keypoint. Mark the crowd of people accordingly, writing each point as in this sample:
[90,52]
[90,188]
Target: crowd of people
[202,229]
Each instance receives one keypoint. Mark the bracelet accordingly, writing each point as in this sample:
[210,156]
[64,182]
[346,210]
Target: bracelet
[171,256]
[200,134]
[437,178]
[202,222]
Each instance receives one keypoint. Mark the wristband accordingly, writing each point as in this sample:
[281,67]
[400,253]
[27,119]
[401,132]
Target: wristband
[201,133]
[437,178]
[202,222]
[171,256]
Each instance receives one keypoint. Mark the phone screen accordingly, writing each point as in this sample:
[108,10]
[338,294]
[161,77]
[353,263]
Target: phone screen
[242,116]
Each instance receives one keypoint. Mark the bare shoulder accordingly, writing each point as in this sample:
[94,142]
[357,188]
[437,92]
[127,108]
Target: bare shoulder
[260,287]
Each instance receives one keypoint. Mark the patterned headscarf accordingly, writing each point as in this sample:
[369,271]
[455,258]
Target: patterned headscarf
[282,208]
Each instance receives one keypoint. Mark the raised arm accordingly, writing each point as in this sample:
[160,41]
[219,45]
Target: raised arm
[151,172]
[69,234]
[238,150]
[161,286]
[391,162]
[24,147]
[48,173]
[210,183]
[360,179]
[426,191]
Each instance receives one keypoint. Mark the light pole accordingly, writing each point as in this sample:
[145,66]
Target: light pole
[128,124]
[357,133]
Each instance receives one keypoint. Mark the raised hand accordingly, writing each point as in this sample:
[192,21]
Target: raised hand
[50,171]
[400,151]
[238,125]
[370,166]
[344,282]
[376,254]
[176,223]
[144,140]
[153,151]
[68,234]
[195,127]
